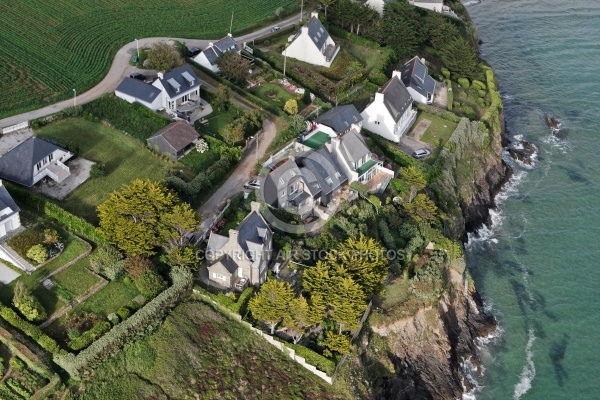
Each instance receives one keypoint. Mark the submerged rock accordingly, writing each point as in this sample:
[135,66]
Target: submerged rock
[554,124]
[523,151]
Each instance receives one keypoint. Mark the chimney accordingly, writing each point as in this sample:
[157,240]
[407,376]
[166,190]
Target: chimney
[254,206]
[379,97]
[396,73]
[160,75]
[230,35]
[233,234]
[314,14]
[210,44]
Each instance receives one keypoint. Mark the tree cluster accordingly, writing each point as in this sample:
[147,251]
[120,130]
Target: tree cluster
[234,66]
[27,304]
[163,57]
[248,123]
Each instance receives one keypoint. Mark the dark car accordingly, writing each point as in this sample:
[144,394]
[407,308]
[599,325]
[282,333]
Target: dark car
[253,184]
[193,52]
[421,153]
[138,76]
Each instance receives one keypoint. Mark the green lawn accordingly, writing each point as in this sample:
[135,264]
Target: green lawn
[439,129]
[110,298]
[75,280]
[73,46]
[200,162]
[217,121]
[125,159]
[282,95]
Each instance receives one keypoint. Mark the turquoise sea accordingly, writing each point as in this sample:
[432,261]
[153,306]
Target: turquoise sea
[538,265]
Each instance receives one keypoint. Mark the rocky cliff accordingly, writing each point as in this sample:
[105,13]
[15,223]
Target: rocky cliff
[421,356]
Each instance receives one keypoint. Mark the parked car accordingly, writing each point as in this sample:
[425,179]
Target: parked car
[193,52]
[421,153]
[275,29]
[253,184]
[138,76]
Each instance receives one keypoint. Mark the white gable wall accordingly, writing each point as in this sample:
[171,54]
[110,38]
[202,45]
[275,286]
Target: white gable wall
[304,49]
[377,119]
[427,5]
[202,60]
[417,96]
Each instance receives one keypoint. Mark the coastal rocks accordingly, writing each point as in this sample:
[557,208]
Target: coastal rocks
[554,124]
[473,172]
[523,152]
[426,350]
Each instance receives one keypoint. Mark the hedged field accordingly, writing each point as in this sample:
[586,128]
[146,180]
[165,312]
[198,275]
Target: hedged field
[49,47]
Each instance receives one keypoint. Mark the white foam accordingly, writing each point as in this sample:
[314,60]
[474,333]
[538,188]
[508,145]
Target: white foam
[469,370]
[528,373]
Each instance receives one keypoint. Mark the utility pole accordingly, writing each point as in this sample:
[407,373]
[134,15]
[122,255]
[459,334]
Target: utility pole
[231,24]
[301,8]
[74,97]
[137,44]
[284,59]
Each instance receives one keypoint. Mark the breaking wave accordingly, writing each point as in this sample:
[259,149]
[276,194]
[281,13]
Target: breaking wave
[528,373]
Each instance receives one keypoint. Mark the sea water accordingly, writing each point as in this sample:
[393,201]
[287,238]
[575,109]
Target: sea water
[538,265]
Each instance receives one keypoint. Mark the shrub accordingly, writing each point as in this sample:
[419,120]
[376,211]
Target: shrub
[464,82]
[123,313]
[16,364]
[87,337]
[446,73]
[478,84]
[149,284]
[98,170]
[37,253]
[46,342]
[481,93]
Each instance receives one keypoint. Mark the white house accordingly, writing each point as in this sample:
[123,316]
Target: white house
[390,114]
[313,44]
[34,159]
[433,5]
[420,85]
[377,5]
[243,257]
[9,212]
[209,56]
[175,91]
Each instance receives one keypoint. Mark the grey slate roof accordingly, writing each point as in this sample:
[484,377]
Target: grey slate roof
[177,76]
[174,137]
[7,201]
[317,32]
[396,98]
[414,74]
[340,118]
[215,243]
[228,263]
[17,165]
[272,185]
[353,147]
[322,165]
[138,89]
[250,230]
[224,45]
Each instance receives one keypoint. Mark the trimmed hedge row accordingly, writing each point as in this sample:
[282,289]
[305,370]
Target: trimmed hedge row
[226,301]
[29,329]
[145,320]
[89,336]
[73,222]
[313,358]
[492,116]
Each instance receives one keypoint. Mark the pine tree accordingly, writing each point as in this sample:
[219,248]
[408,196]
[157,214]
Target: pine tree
[336,343]
[401,28]
[271,303]
[297,319]
[347,305]
[421,208]
[363,260]
[460,58]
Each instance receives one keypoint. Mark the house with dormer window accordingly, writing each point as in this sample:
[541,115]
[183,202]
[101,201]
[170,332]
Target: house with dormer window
[390,114]
[420,85]
[209,56]
[241,258]
[33,160]
[313,44]
[177,91]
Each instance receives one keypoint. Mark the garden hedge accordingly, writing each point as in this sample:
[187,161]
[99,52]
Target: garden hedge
[29,329]
[313,358]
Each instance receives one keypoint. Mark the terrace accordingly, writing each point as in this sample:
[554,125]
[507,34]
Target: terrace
[316,140]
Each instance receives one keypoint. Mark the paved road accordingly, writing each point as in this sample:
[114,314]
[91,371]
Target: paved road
[7,275]
[121,68]
[242,173]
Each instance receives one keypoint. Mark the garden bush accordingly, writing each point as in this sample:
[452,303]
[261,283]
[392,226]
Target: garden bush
[149,284]
[87,337]
[397,156]
[98,170]
[123,313]
[478,84]
[37,253]
[464,83]
[29,329]
[445,73]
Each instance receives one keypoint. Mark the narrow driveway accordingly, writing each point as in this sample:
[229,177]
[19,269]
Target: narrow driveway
[121,68]
[243,172]
[7,275]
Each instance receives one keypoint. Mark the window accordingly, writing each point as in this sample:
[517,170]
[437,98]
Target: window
[51,156]
[337,175]
[377,122]
[329,181]
[281,181]
[293,188]
[293,173]
[219,276]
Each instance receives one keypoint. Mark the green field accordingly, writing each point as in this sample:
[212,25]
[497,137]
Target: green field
[50,47]
[125,158]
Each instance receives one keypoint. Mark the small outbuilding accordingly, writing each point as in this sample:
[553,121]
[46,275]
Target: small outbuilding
[175,139]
